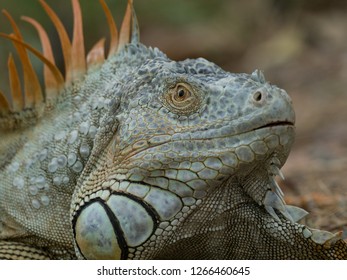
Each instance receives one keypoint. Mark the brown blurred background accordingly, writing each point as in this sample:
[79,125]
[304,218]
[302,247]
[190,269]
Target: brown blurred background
[300,45]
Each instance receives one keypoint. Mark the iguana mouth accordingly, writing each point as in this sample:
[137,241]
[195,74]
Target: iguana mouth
[149,144]
[277,123]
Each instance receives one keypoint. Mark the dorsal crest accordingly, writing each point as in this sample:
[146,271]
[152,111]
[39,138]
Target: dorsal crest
[19,105]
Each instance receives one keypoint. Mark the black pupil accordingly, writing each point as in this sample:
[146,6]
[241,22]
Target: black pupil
[181,92]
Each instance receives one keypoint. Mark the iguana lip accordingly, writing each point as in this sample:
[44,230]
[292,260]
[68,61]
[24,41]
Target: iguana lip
[277,123]
[198,137]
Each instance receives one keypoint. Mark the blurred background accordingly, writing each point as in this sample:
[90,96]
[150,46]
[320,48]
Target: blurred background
[300,45]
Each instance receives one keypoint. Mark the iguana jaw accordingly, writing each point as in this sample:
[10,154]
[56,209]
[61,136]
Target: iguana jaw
[155,143]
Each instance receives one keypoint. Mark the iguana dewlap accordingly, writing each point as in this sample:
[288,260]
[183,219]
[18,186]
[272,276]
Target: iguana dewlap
[136,156]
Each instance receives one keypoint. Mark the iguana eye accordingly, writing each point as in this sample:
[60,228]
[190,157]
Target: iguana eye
[182,99]
[181,93]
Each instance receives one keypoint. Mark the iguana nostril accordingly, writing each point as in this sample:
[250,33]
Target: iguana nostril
[258,96]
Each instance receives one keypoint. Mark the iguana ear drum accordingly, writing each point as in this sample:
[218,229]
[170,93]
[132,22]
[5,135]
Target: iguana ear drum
[105,230]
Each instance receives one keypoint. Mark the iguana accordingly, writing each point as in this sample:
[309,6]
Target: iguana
[136,156]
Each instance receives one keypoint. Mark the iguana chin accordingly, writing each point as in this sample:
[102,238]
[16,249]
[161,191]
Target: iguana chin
[140,157]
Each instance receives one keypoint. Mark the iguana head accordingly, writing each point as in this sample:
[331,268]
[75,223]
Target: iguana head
[183,129]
